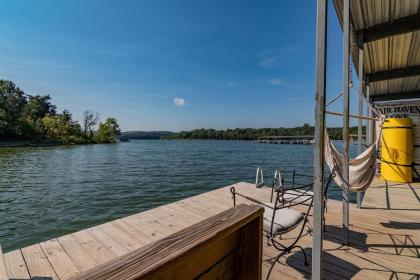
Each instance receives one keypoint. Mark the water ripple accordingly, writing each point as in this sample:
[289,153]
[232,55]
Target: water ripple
[51,191]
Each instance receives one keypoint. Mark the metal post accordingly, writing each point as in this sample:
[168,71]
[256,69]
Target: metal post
[360,122]
[372,128]
[368,123]
[318,200]
[346,112]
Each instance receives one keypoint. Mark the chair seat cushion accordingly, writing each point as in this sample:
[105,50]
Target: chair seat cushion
[285,219]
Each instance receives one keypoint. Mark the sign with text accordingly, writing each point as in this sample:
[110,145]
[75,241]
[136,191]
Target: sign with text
[400,111]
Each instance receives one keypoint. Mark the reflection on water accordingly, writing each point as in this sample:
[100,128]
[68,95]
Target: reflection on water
[50,191]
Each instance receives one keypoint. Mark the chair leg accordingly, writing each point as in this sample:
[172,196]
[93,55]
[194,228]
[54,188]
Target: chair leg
[274,263]
[304,254]
[268,240]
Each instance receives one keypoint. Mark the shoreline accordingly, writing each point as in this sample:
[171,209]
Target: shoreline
[31,144]
[23,143]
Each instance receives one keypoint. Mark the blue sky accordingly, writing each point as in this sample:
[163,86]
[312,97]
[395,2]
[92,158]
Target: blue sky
[171,65]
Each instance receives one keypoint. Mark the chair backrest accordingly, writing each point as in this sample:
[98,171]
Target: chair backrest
[225,246]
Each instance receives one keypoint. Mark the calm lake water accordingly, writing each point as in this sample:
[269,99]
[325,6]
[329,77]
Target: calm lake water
[50,191]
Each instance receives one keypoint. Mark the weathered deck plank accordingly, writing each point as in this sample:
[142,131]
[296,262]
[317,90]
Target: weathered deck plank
[37,263]
[99,252]
[80,257]
[59,259]
[109,241]
[385,237]
[15,265]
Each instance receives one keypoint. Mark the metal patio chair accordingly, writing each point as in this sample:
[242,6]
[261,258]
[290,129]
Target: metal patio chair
[280,218]
[296,194]
[299,193]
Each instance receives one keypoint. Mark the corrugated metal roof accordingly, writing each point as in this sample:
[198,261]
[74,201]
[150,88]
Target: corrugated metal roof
[393,52]
[400,85]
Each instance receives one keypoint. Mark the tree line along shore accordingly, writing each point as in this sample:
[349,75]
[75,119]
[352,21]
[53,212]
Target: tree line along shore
[27,120]
[336,133]
[33,120]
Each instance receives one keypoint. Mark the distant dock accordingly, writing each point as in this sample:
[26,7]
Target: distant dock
[295,140]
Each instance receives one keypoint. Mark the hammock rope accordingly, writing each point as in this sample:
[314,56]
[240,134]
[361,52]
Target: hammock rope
[373,109]
[362,167]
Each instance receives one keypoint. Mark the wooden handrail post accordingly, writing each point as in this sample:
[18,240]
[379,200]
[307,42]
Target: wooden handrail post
[228,244]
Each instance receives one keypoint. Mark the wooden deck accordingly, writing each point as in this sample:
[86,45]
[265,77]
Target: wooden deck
[385,237]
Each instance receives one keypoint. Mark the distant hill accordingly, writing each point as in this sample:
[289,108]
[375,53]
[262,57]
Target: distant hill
[144,134]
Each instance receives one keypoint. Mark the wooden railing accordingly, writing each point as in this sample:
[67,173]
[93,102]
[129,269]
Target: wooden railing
[225,246]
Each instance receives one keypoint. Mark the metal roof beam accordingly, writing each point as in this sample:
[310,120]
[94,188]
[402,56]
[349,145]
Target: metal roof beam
[393,74]
[395,96]
[398,26]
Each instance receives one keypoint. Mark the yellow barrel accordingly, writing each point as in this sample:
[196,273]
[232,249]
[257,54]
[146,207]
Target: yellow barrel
[397,150]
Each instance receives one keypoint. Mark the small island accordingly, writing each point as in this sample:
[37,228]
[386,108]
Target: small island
[33,120]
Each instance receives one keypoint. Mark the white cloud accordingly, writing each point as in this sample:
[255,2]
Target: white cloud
[231,84]
[276,82]
[179,102]
[286,55]
[269,62]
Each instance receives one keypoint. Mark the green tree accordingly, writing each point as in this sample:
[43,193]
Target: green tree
[12,102]
[62,128]
[38,107]
[35,118]
[90,120]
[108,131]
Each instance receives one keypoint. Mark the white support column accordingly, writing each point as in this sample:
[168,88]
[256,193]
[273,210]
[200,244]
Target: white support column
[318,210]
[360,121]
[346,117]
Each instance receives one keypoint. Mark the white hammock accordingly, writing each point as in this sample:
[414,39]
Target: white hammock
[361,168]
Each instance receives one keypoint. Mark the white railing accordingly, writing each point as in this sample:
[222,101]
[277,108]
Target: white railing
[259,178]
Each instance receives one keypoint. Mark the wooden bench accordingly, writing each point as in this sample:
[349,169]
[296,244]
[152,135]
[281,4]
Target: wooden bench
[225,246]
